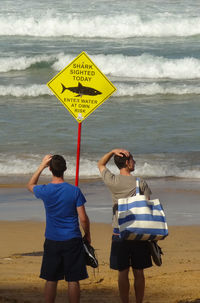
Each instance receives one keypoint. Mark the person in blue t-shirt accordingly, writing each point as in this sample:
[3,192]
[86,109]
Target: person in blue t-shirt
[63,256]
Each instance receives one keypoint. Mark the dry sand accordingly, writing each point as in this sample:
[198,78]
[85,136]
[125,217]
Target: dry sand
[177,280]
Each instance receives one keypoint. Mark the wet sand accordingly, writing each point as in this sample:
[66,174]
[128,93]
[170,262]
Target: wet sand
[179,197]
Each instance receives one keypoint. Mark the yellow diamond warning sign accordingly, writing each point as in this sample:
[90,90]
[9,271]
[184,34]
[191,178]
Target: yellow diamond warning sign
[81,87]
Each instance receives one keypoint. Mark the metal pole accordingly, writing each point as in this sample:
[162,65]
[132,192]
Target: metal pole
[78,153]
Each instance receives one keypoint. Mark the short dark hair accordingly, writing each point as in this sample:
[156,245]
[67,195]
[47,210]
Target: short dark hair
[57,165]
[120,161]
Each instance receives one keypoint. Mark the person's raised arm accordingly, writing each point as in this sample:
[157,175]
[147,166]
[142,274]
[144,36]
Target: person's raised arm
[85,222]
[105,159]
[34,179]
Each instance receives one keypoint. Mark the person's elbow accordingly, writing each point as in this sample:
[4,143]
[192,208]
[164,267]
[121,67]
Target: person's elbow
[101,166]
[83,217]
[30,187]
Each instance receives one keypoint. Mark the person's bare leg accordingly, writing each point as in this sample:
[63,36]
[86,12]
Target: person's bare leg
[139,284]
[124,286]
[74,292]
[50,291]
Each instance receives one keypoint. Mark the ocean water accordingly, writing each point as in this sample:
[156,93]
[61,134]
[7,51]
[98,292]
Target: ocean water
[150,51]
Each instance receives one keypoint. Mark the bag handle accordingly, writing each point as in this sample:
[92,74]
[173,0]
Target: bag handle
[137,186]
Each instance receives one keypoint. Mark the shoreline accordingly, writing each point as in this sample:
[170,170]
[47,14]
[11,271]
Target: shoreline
[179,197]
[42,180]
[176,281]
[14,180]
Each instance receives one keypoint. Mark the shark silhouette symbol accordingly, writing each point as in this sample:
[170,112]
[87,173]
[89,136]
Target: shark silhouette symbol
[81,90]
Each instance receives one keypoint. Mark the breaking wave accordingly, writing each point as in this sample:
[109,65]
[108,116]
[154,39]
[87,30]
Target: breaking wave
[8,64]
[11,165]
[118,26]
[155,89]
[146,66]
[143,66]
[123,90]
[20,91]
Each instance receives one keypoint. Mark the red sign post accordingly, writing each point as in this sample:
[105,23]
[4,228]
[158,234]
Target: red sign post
[78,153]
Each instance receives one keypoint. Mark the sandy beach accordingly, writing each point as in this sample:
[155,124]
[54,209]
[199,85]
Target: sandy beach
[177,280]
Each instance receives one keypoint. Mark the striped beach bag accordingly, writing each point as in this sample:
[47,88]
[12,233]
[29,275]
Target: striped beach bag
[141,219]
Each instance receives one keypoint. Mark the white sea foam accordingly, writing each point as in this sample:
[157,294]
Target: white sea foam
[11,165]
[154,89]
[8,64]
[143,66]
[22,63]
[166,170]
[26,164]
[109,26]
[20,91]
[123,90]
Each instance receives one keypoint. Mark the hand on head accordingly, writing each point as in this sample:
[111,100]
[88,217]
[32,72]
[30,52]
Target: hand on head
[46,160]
[121,152]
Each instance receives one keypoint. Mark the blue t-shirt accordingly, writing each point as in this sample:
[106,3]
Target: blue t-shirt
[60,202]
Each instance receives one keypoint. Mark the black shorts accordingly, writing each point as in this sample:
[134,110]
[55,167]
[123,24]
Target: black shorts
[63,260]
[125,253]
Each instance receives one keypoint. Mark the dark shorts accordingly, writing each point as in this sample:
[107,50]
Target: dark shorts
[63,260]
[126,253]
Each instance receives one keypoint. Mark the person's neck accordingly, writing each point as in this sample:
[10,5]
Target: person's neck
[125,171]
[57,180]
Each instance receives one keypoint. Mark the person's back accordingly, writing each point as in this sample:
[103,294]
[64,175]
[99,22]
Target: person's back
[121,186]
[125,253]
[63,256]
[60,202]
